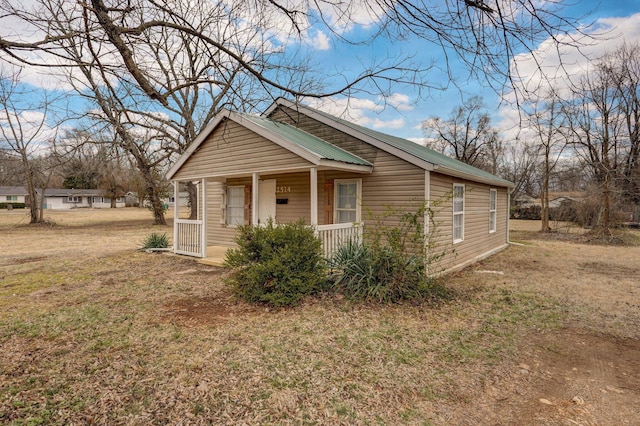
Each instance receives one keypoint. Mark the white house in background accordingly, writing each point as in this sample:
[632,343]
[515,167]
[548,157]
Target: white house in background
[65,199]
[13,195]
[183,199]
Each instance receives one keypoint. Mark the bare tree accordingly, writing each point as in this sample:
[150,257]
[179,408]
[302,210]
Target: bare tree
[24,129]
[518,166]
[549,124]
[484,35]
[466,135]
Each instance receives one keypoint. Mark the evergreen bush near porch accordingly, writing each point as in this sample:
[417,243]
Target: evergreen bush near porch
[276,264]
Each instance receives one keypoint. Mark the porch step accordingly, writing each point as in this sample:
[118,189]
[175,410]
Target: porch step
[211,261]
[215,256]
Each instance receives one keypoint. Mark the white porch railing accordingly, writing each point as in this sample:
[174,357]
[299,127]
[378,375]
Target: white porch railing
[333,236]
[189,237]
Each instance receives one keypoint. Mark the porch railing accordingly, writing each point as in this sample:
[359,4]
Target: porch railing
[189,237]
[333,236]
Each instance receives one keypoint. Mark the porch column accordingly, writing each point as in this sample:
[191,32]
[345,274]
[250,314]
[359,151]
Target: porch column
[202,207]
[255,184]
[313,174]
[176,213]
[427,200]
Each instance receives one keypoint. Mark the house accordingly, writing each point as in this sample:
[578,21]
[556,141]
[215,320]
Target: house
[62,199]
[14,195]
[295,162]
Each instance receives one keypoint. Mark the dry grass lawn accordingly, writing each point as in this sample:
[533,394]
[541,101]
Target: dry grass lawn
[94,332]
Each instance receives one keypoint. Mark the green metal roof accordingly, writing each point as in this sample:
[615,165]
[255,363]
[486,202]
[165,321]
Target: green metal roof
[419,151]
[311,143]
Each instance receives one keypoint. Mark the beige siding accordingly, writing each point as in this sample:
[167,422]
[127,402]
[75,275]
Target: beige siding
[233,149]
[478,241]
[217,232]
[393,182]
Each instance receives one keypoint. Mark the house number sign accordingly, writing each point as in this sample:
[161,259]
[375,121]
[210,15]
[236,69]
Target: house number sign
[280,189]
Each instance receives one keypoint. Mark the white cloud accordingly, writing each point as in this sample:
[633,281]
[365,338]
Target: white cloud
[400,102]
[319,42]
[568,62]
[557,66]
[398,123]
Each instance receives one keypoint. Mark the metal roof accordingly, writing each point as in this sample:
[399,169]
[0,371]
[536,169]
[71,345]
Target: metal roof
[306,141]
[444,163]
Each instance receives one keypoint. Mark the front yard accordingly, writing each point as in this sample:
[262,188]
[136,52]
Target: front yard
[92,331]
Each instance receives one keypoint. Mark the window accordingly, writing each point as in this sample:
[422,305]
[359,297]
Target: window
[12,198]
[74,199]
[235,205]
[458,213]
[493,196]
[347,193]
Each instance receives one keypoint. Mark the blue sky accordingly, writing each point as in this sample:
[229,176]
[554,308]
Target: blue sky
[405,110]
[621,18]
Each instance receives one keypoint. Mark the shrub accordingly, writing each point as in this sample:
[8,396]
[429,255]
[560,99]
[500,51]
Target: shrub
[276,264]
[156,240]
[391,263]
[12,205]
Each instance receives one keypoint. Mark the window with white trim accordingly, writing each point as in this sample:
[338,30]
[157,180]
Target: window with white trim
[347,194]
[74,199]
[493,200]
[235,205]
[12,198]
[458,213]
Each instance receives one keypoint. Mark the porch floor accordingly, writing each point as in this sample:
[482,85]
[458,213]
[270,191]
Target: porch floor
[215,256]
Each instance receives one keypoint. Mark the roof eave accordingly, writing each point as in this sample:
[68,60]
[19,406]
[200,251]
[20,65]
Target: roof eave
[475,178]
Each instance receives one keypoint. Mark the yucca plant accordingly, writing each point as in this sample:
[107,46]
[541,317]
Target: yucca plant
[155,240]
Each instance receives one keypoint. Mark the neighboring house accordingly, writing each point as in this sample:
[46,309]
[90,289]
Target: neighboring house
[297,162]
[62,199]
[183,199]
[14,195]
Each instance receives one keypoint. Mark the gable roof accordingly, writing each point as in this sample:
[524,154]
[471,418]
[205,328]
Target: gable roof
[64,192]
[307,146]
[13,190]
[418,155]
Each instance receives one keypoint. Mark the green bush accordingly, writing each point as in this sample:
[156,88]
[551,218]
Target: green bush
[156,240]
[276,264]
[13,205]
[390,264]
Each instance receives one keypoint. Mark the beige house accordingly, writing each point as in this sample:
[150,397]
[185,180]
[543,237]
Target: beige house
[297,162]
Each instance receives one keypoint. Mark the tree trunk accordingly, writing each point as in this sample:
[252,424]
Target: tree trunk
[192,190]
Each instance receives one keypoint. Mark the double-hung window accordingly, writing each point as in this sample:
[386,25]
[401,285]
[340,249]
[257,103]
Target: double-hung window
[74,199]
[493,196]
[347,196]
[12,198]
[235,205]
[458,213]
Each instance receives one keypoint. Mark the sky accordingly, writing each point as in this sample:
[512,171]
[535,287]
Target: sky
[619,19]
[402,111]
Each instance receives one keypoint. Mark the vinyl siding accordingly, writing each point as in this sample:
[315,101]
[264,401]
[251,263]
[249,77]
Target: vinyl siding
[478,241]
[232,150]
[393,182]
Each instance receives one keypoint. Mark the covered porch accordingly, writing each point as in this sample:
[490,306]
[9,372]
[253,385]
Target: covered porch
[282,196]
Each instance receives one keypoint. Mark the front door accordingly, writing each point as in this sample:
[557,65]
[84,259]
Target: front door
[266,200]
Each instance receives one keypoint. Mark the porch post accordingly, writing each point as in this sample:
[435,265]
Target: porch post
[255,183]
[313,174]
[427,200]
[176,212]
[202,206]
